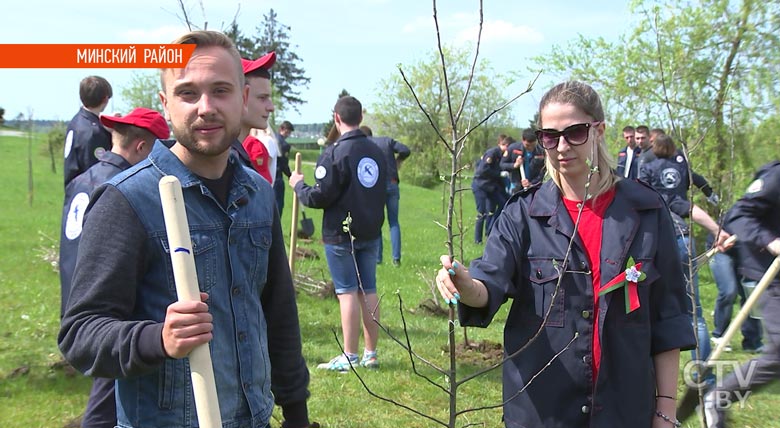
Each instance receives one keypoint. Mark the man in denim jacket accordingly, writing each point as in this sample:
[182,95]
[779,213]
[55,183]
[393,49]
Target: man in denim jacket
[123,320]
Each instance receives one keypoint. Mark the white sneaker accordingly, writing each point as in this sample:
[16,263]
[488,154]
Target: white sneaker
[716,342]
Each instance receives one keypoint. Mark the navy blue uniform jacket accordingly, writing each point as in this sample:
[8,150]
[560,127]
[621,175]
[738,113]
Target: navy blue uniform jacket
[755,219]
[536,169]
[85,141]
[633,172]
[77,194]
[523,259]
[487,175]
[391,149]
[351,179]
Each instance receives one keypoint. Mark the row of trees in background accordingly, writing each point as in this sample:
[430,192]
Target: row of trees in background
[287,75]
[705,71]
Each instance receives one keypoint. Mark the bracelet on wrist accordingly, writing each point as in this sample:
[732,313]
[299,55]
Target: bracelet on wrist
[666,396]
[675,423]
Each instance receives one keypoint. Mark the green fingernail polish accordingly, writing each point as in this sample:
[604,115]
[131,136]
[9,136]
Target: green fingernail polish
[457,296]
[455,265]
[452,272]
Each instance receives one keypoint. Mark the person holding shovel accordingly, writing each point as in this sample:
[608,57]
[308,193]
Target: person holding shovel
[123,319]
[755,220]
[598,318]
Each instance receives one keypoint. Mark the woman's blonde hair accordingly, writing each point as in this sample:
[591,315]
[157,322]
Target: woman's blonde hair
[584,98]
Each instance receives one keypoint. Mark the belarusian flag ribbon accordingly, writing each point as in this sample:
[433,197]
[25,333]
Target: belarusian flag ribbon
[628,279]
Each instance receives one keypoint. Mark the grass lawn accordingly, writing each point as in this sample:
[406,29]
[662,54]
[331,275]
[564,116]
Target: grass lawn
[36,392]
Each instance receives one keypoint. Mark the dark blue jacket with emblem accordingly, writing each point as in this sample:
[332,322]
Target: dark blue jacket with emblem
[77,194]
[487,175]
[351,178]
[85,141]
[755,219]
[535,171]
[523,260]
[633,171]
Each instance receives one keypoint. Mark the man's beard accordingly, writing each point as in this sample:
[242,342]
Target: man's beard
[187,138]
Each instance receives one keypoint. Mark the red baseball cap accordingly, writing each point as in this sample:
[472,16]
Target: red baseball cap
[141,117]
[265,61]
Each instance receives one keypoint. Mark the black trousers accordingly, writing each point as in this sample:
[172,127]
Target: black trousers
[101,407]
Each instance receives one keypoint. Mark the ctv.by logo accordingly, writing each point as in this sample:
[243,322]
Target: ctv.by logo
[743,372]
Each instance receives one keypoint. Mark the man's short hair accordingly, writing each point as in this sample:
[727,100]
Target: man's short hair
[643,129]
[366,130]
[205,39]
[529,135]
[287,125]
[349,110]
[126,134]
[93,90]
[628,128]
[261,73]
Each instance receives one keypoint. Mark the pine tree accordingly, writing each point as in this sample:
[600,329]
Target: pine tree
[287,75]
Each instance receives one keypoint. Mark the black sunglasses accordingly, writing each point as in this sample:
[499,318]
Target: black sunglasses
[575,135]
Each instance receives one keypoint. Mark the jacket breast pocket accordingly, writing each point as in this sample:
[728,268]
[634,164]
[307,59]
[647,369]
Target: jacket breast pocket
[260,240]
[205,253]
[548,296]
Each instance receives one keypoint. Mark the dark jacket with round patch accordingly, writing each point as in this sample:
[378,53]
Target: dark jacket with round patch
[351,180]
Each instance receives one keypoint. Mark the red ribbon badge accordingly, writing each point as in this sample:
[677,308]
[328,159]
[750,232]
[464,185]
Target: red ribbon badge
[628,279]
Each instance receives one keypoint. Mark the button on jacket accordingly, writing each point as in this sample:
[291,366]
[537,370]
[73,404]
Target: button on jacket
[351,177]
[124,282]
[523,260]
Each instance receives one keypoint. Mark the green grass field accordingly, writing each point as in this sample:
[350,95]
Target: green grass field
[36,392]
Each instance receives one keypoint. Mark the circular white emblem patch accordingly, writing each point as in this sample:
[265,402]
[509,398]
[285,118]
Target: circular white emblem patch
[680,159]
[68,142]
[320,172]
[99,152]
[755,186]
[76,215]
[368,172]
[670,178]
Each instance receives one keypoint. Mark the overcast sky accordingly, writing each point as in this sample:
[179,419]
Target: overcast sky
[350,44]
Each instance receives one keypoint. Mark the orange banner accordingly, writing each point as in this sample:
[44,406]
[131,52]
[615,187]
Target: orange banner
[94,55]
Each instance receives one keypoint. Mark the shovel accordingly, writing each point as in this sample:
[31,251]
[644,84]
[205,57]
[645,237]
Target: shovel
[691,398]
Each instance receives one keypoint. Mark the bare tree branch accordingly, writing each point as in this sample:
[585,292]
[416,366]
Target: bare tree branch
[503,106]
[453,121]
[430,119]
[473,66]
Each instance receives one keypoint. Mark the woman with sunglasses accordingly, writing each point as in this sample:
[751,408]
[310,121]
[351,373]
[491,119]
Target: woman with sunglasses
[597,321]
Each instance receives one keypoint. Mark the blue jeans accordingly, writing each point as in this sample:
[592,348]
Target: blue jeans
[723,268]
[393,197]
[342,265]
[702,334]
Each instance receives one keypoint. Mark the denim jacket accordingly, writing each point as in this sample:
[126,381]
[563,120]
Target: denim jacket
[231,249]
